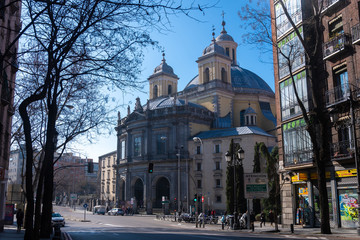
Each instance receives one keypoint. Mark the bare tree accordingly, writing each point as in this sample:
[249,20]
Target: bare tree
[85,47]
[314,113]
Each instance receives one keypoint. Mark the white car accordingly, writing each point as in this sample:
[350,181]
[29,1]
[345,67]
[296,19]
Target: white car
[116,212]
[57,219]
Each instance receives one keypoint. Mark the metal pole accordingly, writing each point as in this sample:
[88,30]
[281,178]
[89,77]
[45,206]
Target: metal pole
[357,164]
[179,197]
[187,187]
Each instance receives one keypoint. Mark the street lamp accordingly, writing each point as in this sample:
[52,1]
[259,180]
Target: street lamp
[234,159]
[197,139]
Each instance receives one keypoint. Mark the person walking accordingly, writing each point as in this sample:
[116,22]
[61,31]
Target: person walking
[19,219]
[262,218]
[271,217]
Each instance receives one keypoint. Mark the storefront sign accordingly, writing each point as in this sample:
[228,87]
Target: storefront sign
[302,177]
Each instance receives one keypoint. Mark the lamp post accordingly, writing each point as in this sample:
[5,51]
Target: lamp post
[197,139]
[234,159]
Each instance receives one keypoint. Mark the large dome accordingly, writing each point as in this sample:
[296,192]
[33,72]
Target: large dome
[240,78]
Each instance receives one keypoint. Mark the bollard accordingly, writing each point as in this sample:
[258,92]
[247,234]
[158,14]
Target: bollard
[252,226]
[57,232]
[292,228]
[222,226]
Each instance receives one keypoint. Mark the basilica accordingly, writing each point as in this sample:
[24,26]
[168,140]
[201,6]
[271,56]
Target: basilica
[173,146]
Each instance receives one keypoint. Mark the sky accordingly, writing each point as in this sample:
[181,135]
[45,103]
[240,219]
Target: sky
[183,45]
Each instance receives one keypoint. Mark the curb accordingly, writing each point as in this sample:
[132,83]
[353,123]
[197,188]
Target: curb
[66,236]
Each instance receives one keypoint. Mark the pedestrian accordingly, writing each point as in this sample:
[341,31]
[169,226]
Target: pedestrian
[262,218]
[223,220]
[271,217]
[19,219]
[252,220]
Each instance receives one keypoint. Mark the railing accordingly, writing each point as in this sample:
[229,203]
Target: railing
[355,33]
[337,94]
[342,149]
[327,4]
[299,157]
[335,45]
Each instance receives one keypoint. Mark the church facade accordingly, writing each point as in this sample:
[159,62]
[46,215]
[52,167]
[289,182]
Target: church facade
[173,147]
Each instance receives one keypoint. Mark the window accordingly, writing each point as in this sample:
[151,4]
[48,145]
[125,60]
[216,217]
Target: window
[218,183]
[206,75]
[169,90]
[336,27]
[252,120]
[108,162]
[108,174]
[283,24]
[198,167]
[289,105]
[233,55]
[290,46]
[217,166]
[341,84]
[345,142]
[108,188]
[242,118]
[217,148]
[122,149]
[297,142]
[218,198]
[155,93]
[223,75]
[227,51]
[198,149]
[137,146]
[160,144]
[198,183]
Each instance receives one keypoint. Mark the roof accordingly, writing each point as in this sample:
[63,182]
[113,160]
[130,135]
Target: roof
[214,48]
[228,132]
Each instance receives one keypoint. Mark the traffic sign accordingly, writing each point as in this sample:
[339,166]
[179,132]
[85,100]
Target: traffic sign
[256,185]
[85,205]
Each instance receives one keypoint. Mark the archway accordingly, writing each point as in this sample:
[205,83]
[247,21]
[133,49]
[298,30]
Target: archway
[139,192]
[162,189]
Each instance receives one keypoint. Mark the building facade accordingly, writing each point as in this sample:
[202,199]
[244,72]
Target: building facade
[107,178]
[158,160]
[10,26]
[300,195]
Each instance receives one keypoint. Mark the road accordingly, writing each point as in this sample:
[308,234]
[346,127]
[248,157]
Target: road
[100,227]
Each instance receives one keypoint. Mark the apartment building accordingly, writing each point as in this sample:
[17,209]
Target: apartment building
[107,174]
[10,26]
[340,45]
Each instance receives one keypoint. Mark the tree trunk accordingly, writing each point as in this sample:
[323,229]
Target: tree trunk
[46,229]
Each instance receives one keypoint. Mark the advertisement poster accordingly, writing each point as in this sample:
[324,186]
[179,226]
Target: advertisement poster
[348,208]
[9,214]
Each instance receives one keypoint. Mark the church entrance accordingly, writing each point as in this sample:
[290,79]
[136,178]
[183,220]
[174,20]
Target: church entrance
[139,192]
[162,189]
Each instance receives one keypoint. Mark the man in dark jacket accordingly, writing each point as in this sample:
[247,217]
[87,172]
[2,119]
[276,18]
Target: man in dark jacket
[19,219]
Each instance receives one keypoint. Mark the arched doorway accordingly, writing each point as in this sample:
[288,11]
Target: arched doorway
[162,189]
[139,192]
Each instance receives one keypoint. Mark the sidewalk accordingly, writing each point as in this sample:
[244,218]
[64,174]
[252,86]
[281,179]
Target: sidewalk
[10,233]
[299,231]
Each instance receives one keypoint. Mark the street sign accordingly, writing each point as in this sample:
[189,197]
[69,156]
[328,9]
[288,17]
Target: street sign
[85,205]
[73,196]
[256,185]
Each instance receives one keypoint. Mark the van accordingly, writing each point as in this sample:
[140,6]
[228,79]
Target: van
[99,209]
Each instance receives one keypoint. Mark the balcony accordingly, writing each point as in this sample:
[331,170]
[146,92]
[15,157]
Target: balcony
[342,150]
[335,46]
[355,34]
[337,94]
[329,5]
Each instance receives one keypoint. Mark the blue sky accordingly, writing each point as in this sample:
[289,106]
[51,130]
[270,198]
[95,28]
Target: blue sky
[183,45]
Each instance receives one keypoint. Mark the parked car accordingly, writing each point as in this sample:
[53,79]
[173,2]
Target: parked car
[99,209]
[116,212]
[57,219]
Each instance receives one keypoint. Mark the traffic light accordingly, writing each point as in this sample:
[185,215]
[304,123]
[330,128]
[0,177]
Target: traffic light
[175,204]
[90,167]
[195,197]
[202,199]
[151,166]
